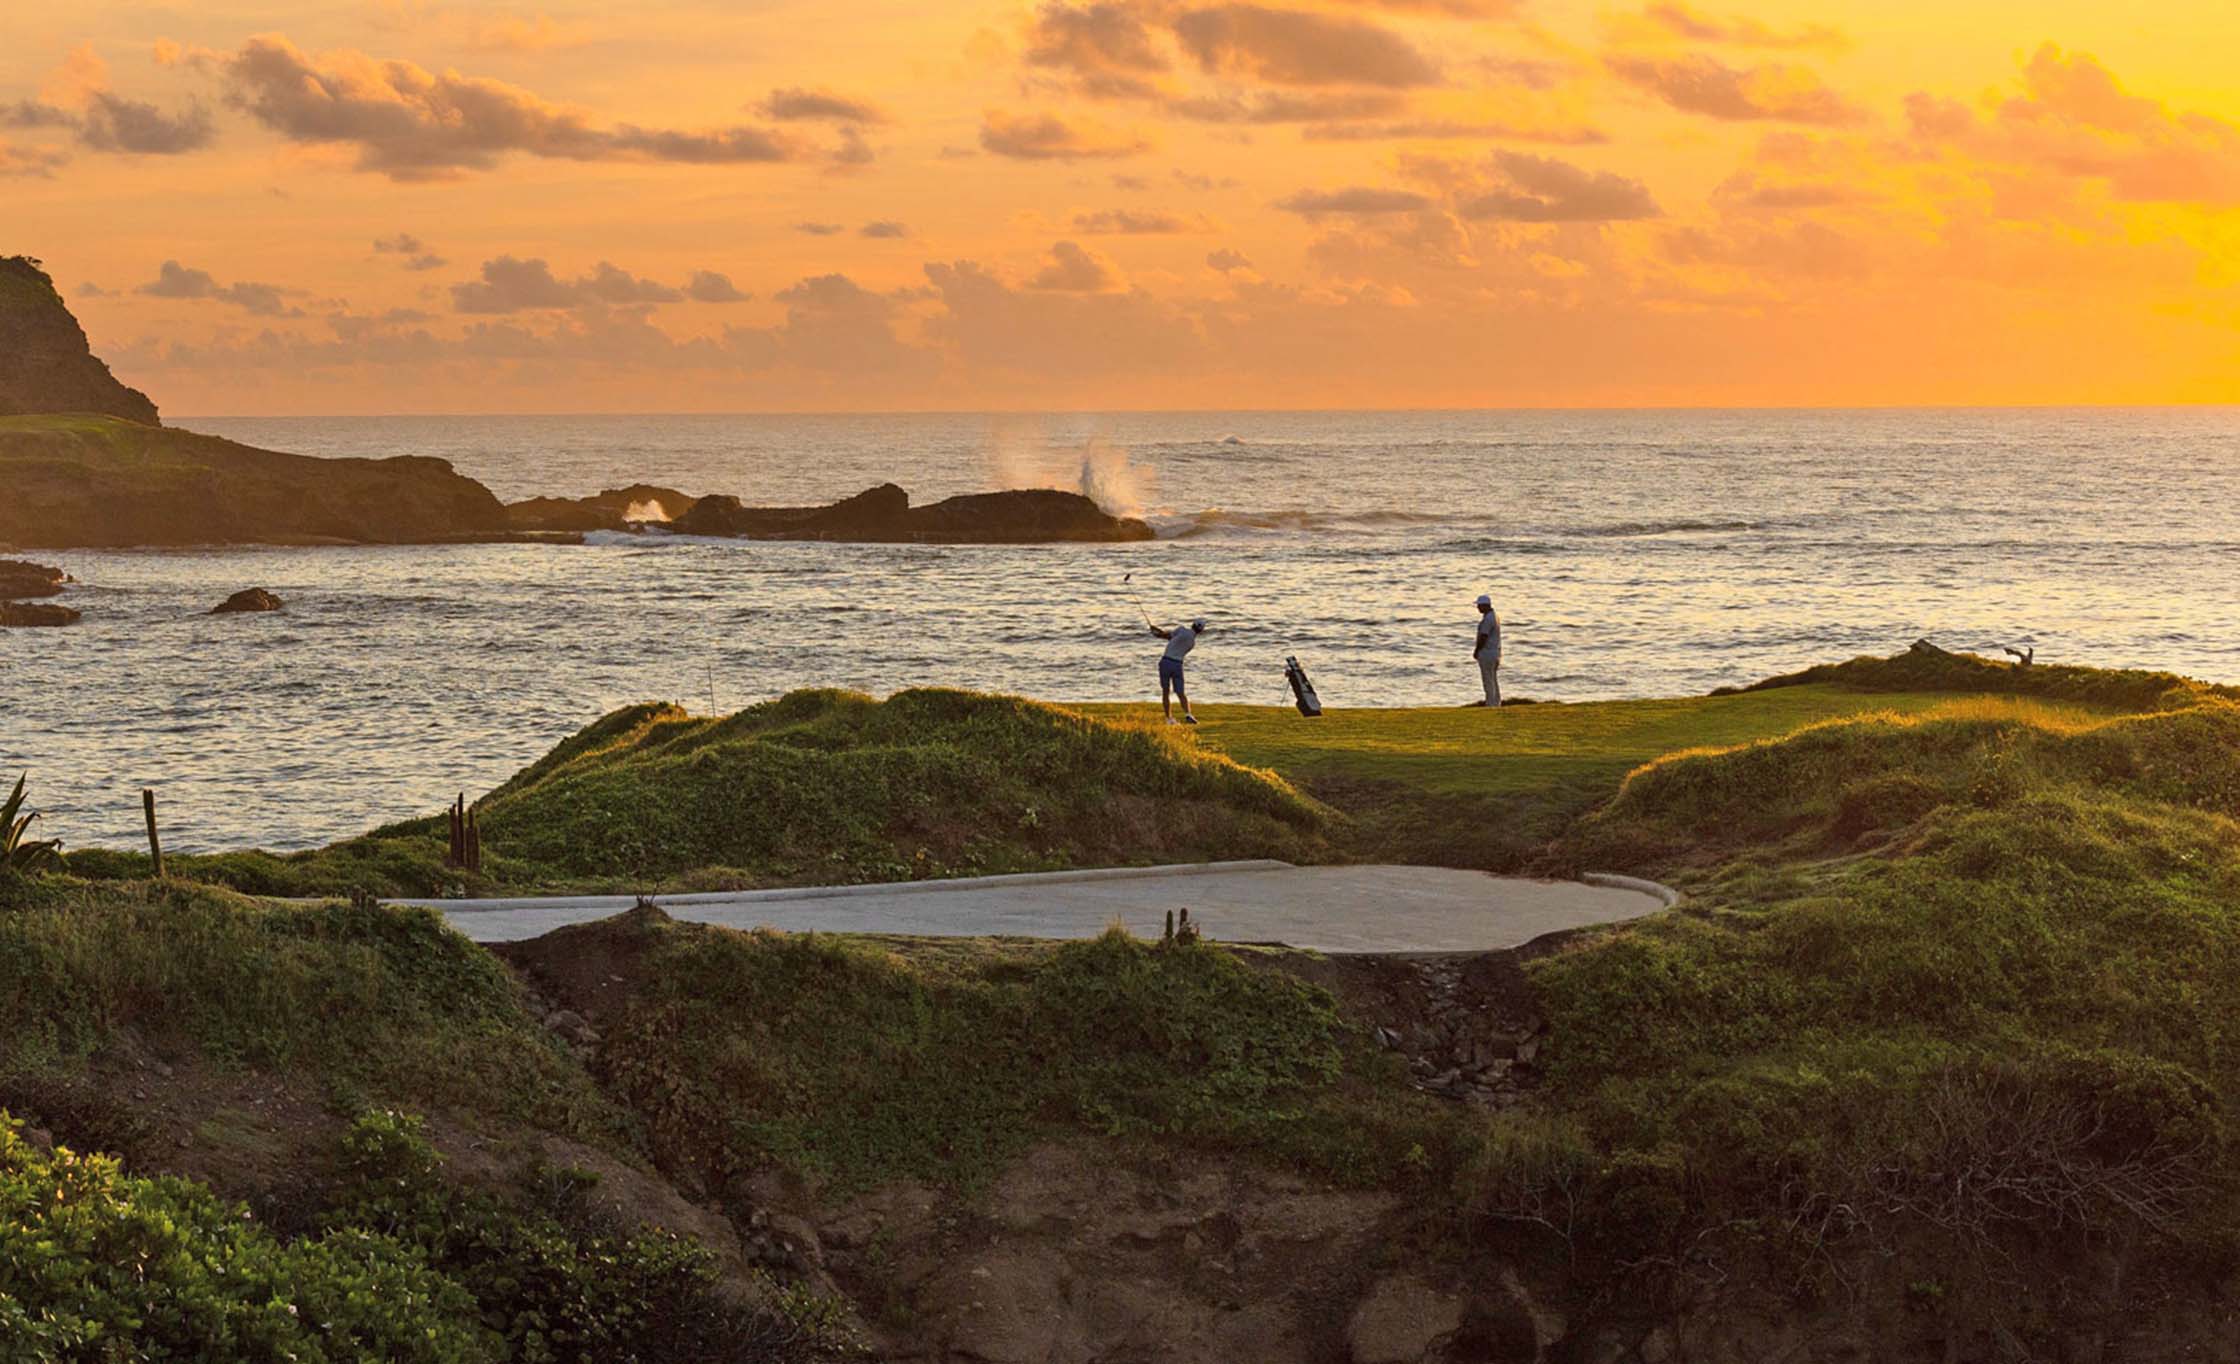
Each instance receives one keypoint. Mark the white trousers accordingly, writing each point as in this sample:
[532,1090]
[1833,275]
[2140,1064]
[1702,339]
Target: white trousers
[1490,670]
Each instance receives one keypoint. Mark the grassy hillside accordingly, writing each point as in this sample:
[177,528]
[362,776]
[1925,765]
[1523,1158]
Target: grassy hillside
[369,1003]
[856,1064]
[246,1048]
[1958,982]
[819,787]
[1946,1027]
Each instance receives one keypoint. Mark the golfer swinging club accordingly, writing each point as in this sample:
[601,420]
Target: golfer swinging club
[1180,641]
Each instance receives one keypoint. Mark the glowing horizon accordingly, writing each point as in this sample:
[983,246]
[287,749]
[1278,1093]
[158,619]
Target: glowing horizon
[408,206]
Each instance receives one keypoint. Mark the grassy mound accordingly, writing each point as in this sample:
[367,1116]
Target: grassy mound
[1854,784]
[853,1064]
[1965,982]
[364,1003]
[1926,668]
[813,788]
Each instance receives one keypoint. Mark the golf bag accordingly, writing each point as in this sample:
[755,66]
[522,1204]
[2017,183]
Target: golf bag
[1302,691]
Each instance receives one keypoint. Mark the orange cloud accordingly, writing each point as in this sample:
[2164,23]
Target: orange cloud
[2075,119]
[412,124]
[1737,31]
[1701,84]
[1107,47]
[1074,269]
[1299,47]
[1047,137]
[1537,189]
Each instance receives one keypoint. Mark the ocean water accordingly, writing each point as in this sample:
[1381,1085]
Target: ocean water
[1631,554]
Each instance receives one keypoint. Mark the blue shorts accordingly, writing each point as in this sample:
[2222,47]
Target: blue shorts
[1170,670]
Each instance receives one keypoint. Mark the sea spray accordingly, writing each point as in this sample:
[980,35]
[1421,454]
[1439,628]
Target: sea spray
[1021,456]
[648,510]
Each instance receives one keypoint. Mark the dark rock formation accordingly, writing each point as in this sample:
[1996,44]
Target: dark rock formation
[19,579]
[97,481]
[14,614]
[884,515]
[1027,516]
[45,362]
[716,514]
[614,509]
[247,599]
[871,509]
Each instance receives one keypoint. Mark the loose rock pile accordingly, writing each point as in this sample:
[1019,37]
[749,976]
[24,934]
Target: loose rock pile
[1466,1026]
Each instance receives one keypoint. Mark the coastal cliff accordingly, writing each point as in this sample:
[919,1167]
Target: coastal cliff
[92,481]
[46,364]
[85,464]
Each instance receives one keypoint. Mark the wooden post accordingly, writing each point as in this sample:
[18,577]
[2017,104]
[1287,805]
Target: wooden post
[155,845]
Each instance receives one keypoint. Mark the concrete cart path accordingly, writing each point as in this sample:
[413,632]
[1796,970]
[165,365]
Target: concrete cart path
[1330,909]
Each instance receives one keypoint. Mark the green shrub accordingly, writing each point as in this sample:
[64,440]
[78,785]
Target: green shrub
[544,1278]
[98,1265]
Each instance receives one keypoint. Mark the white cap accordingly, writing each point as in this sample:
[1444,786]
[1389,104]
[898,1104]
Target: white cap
[1485,600]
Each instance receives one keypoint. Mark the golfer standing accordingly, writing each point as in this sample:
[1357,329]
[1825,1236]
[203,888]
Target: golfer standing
[1180,641]
[1488,651]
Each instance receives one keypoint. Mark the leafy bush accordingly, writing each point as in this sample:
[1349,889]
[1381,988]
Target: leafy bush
[98,1265]
[555,1288]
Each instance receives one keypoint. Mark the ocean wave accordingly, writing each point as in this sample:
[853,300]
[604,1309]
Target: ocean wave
[1628,530]
[1215,521]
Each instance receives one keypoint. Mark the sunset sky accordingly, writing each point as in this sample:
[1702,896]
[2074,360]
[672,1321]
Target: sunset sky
[418,206]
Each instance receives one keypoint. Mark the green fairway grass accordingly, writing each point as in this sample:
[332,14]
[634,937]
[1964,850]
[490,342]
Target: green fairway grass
[1462,786]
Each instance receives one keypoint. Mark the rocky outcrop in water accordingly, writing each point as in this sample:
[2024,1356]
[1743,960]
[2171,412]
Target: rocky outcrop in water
[247,599]
[22,614]
[20,578]
[884,515]
[46,364]
[613,509]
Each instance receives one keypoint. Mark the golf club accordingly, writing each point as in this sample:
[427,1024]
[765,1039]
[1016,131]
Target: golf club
[1125,580]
